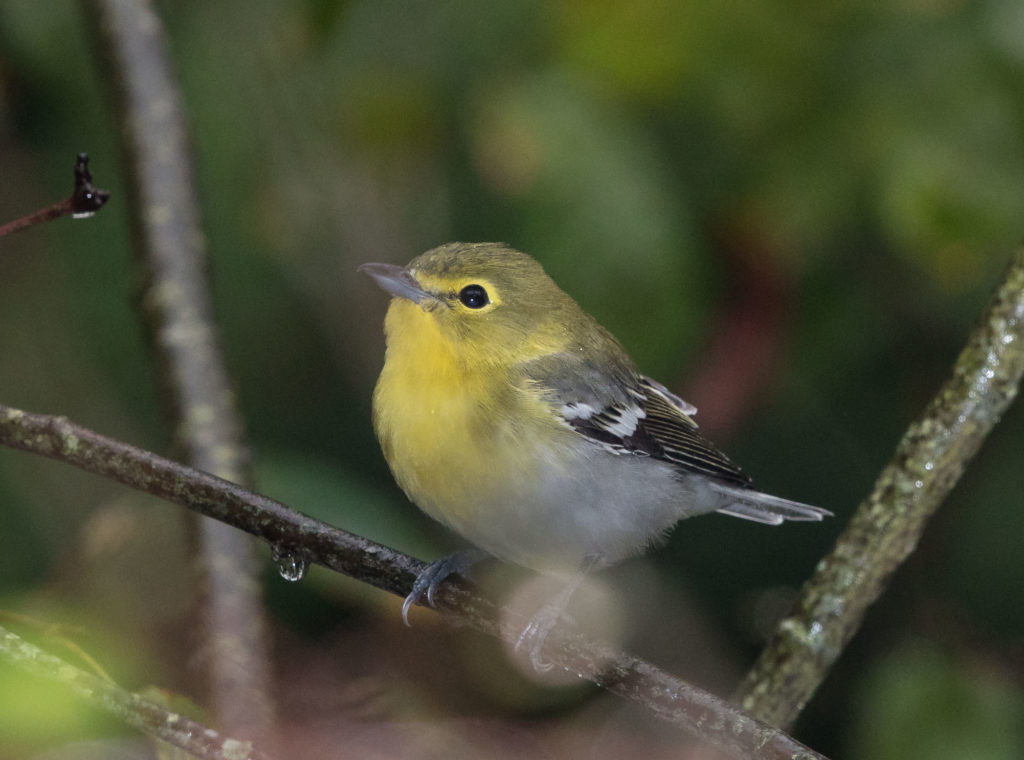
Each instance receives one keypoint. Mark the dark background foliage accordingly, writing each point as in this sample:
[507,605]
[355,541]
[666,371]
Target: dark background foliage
[790,213]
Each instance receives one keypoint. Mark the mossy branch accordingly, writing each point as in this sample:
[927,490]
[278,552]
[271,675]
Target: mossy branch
[888,524]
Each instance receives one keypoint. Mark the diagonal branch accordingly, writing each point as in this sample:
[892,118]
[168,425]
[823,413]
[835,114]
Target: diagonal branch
[175,307]
[130,708]
[888,524]
[293,534]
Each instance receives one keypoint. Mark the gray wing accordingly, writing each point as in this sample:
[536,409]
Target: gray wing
[669,428]
[627,413]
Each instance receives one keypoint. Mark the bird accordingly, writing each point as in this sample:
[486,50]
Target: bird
[508,414]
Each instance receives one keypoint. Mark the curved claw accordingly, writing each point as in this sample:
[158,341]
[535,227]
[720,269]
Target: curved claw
[540,625]
[535,634]
[409,601]
[434,574]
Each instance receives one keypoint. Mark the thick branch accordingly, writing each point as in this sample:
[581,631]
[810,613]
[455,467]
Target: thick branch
[888,524]
[176,309]
[292,533]
[130,708]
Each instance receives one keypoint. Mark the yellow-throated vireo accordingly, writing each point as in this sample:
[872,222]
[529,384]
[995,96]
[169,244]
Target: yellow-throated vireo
[509,414]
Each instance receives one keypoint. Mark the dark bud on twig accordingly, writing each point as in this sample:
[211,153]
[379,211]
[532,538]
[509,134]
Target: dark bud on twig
[86,200]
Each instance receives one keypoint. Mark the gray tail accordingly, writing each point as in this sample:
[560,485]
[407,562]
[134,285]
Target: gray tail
[764,508]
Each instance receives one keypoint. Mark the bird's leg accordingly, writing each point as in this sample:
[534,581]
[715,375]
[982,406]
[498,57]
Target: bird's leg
[536,632]
[434,574]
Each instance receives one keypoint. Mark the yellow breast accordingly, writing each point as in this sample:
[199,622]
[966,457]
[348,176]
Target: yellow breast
[443,419]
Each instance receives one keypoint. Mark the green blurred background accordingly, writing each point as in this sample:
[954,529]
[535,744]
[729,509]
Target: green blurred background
[790,213]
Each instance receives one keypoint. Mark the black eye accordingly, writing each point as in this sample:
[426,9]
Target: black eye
[474,297]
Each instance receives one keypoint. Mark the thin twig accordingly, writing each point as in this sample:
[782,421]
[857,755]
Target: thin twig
[84,201]
[176,310]
[888,524]
[291,533]
[126,706]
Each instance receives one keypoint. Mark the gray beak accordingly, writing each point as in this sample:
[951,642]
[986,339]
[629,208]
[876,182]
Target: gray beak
[397,281]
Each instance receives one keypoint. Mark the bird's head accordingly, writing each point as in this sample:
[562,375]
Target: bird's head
[489,303]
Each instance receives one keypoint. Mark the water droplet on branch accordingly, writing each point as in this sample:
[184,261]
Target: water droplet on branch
[291,563]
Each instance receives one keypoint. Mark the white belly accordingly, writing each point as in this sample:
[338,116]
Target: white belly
[576,504]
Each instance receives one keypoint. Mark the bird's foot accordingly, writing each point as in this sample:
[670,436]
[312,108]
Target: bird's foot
[532,639]
[434,574]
